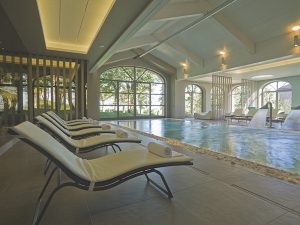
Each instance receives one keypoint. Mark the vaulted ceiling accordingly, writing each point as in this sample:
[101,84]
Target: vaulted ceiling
[251,32]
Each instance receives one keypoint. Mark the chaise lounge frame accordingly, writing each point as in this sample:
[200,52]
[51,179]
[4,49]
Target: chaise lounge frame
[82,184]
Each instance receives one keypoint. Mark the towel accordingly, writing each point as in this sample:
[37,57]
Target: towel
[121,134]
[105,126]
[160,150]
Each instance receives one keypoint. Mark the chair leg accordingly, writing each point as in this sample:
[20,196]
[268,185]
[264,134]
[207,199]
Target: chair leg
[38,217]
[47,166]
[117,147]
[165,190]
[39,201]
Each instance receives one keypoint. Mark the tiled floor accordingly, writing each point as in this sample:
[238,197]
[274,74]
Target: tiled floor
[212,192]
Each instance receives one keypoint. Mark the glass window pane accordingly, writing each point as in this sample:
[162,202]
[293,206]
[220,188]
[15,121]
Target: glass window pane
[108,86]
[197,103]
[142,88]
[126,111]
[196,89]
[142,99]
[142,110]
[117,73]
[108,111]
[270,97]
[150,76]
[271,87]
[108,99]
[126,99]
[126,87]
[284,86]
[157,99]
[157,110]
[189,88]
[8,99]
[157,88]
[285,101]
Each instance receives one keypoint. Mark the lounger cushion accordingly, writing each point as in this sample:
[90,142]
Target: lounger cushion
[110,166]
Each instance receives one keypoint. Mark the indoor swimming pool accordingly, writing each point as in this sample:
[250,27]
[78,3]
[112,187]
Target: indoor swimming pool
[271,147]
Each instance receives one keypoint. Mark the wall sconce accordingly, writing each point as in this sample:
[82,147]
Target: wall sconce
[185,69]
[296,35]
[222,54]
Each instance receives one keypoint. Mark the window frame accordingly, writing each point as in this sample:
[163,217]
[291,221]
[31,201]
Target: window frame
[192,98]
[276,93]
[136,80]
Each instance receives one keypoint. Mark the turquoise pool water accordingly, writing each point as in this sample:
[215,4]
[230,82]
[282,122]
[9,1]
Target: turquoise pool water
[272,147]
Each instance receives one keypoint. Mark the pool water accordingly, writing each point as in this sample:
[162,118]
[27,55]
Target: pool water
[272,147]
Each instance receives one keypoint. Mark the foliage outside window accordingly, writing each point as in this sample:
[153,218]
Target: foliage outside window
[131,92]
[193,99]
[236,98]
[279,93]
[8,92]
[45,100]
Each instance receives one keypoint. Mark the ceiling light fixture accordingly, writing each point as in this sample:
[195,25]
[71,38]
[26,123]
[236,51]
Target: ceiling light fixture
[261,76]
[295,28]
[222,53]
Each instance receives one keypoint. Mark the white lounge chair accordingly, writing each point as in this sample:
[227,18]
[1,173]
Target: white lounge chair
[90,143]
[203,116]
[77,134]
[96,174]
[71,122]
[70,127]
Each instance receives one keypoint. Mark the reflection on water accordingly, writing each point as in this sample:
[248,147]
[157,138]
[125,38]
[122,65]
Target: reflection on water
[272,147]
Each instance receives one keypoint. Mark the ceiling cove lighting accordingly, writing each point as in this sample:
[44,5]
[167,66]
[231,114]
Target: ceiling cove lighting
[72,26]
[262,76]
[296,35]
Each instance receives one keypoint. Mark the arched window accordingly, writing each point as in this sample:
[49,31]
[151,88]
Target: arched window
[131,92]
[193,99]
[236,98]
[279,93]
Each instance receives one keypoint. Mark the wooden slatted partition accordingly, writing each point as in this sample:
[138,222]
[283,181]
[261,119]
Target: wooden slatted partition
[221,87]
[41,83]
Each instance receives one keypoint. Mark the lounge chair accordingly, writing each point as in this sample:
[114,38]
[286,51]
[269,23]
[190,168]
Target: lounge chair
[97,174]
[78,134]
[247,117]
[71,122]
[86,144]
[72,127]
[87,131]
[203,116]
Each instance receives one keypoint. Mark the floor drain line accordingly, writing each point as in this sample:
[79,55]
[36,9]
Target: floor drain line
[267,200]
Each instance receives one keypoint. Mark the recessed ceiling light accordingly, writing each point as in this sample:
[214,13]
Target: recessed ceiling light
[101,46]
[262,76]
[295,28]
